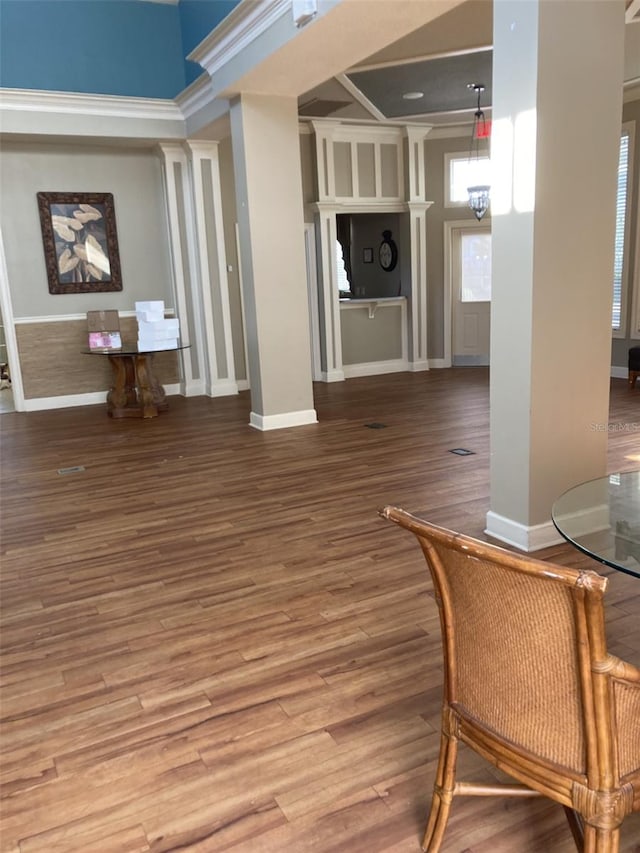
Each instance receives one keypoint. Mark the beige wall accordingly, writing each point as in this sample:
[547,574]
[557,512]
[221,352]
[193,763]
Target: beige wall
[366,339]
[133,176]
[49,350]
[53,364]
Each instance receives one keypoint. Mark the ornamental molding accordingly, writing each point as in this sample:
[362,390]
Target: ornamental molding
[71,103]
[236,32]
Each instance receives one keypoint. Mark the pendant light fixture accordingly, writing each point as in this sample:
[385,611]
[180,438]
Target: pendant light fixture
[479,193]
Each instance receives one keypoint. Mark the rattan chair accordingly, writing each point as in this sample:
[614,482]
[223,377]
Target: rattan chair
[529,685]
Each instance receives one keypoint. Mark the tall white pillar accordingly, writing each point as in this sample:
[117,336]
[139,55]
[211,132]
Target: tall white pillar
[183,261]
[418,206]
[331,344]
[557,107]
[266,155]
[212,265]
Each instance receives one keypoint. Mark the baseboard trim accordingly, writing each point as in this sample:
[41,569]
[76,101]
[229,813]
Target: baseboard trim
[520,535]
[223,388]
[619,372]
[193,388]
[284,420]
[437,363]
[243,385]
[93,398]
[375,368]
[333,376]
[68,401]
[419,366]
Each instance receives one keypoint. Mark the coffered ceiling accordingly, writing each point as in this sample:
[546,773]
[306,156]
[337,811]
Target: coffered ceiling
[424,77]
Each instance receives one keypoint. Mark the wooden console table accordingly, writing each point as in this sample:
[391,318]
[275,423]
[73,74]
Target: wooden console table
[136,393]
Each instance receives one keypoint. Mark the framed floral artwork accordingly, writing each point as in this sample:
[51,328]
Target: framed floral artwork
[80,242]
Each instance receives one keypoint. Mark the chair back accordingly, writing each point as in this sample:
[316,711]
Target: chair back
[521,640]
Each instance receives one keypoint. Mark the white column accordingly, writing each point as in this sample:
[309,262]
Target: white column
[183,261]
[418,206]
[330,328]
[266,155]
[418,359]
[213,293]
[557,107]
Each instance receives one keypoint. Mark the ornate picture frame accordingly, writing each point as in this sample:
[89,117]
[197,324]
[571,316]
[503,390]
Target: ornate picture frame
[80,242]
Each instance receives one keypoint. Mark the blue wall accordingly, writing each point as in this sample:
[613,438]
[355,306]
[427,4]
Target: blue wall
[198,18]
[104,47]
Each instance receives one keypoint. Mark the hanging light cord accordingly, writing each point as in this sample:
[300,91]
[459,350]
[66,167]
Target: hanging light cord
[478,193]
[477,118]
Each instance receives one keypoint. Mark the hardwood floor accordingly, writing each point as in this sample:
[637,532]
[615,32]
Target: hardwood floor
[212,642]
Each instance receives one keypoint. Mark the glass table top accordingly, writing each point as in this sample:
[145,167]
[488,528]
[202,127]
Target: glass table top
[131,349]
[602,518]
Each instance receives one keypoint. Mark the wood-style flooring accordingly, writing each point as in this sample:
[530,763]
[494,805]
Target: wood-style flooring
[212,642]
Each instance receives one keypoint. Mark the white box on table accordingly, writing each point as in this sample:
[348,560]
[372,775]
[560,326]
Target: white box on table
[159,329]
[153,345]
[153,305]
[149,316]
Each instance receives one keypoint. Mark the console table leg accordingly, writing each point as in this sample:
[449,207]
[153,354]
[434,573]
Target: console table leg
[144,384]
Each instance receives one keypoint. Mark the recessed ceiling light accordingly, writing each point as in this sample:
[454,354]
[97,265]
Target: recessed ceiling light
[413,96]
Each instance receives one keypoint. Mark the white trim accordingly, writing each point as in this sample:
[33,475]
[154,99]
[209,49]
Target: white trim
[520,535]
[349,205]
[243,385]
[173,154]
[437,363]
[619,372]
[222,388]
[333,376]
[192,388]
[72,103]
[593,519]
[313,295]
[425,57]
[631,90]
[64,318]
[242,26]
[360,97]
[68,401]
[245,347]
[196,96]
[416,171]
[11,341]
[449,131]
[628,127]
[375,368]
[284,420]
[199,152]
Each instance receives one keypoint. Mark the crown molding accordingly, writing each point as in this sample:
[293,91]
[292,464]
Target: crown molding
[631,91]
[196,96]
[71,103]
[236,32]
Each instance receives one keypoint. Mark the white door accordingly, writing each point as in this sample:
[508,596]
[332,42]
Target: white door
[471,294]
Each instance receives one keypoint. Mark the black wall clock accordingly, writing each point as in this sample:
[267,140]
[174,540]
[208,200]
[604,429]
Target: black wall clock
[388,252]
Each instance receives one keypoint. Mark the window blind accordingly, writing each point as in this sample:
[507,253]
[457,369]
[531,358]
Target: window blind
[621,215]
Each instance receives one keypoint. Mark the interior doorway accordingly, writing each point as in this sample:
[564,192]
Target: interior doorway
[468,278]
